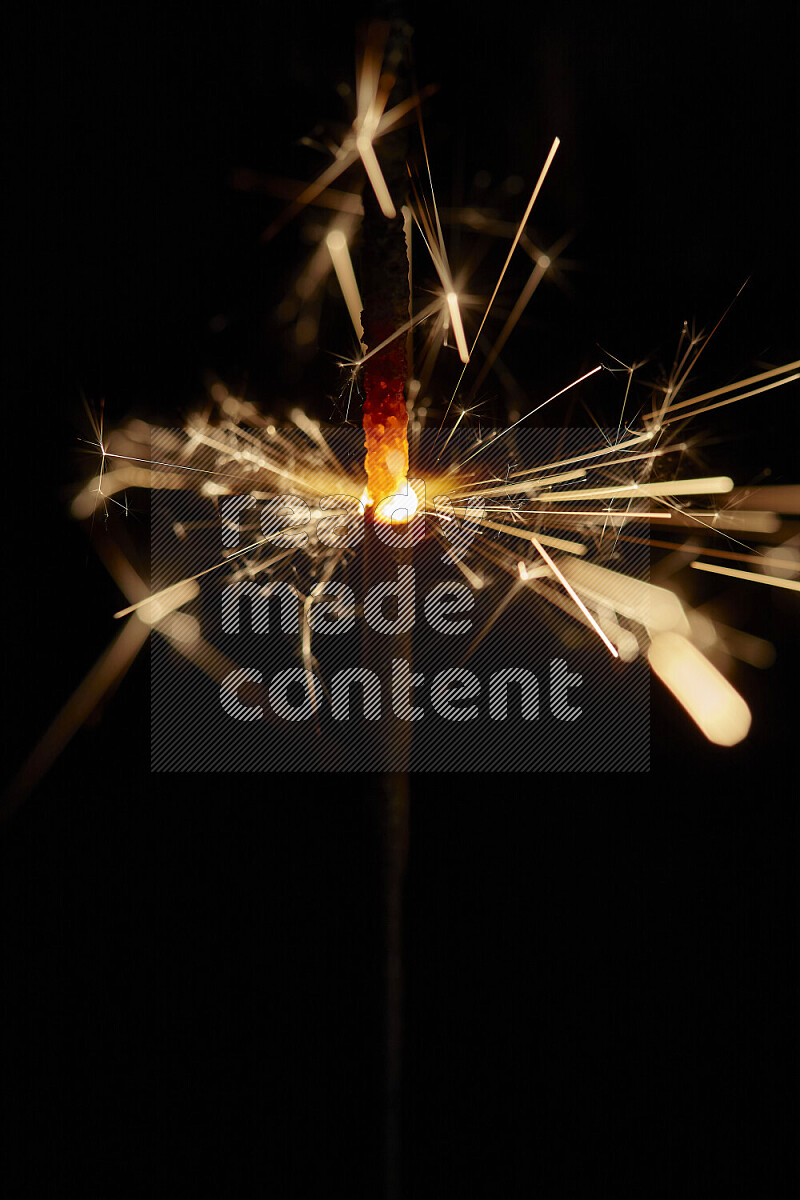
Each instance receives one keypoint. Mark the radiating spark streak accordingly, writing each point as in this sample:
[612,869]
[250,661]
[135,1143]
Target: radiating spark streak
[439,253]
[537,542]
[597,425]
[472,577]
[730,387]
[780,564]
[439,258]
[431,354]
[514,244]
[408,229]
[510,488]
[580,512]
[182,583]
[107,671]
[505,432]
[395,115]
[696,520]
[153,609]
[731,400]
[309,661]
[313,431]
[630,371]
[309,195]
[430,181]
[458,327]
[460,418]
[675,389]
[754,522]
[755,651]
[347,154]
[713,485]
[497,612]
[421,316]
[261,462]
[597,453]
[535,278]
[290,189]
[87,501]
[375,175]
[656,608]
[620,525]
[548,162]
[709,699]
[424,227]
[791,585]
[782,498]
[349,400]
[343,266]
[98,428]
[527,536]
[152,462]
[625,641]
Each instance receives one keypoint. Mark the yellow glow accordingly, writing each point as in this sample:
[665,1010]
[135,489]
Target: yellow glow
[713,704]
[397,509]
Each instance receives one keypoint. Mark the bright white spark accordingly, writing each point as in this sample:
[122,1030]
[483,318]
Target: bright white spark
[458,326]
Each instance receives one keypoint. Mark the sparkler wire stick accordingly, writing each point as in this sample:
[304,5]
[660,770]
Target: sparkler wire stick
[386,298]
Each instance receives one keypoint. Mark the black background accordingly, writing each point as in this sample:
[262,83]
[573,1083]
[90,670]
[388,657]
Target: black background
[597,967]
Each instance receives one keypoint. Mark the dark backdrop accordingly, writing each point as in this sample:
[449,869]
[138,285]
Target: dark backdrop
[597,967]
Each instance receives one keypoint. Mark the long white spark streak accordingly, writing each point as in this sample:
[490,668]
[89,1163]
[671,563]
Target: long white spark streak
[537,543]
[791,585]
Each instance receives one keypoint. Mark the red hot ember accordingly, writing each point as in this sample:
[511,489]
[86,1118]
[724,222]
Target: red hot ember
[385,416]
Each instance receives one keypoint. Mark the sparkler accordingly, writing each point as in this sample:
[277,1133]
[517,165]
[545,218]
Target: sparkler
[569,515]
[234,447]
[229,920]
[385,284]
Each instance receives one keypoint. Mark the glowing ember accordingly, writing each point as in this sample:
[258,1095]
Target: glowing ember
[386,419]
